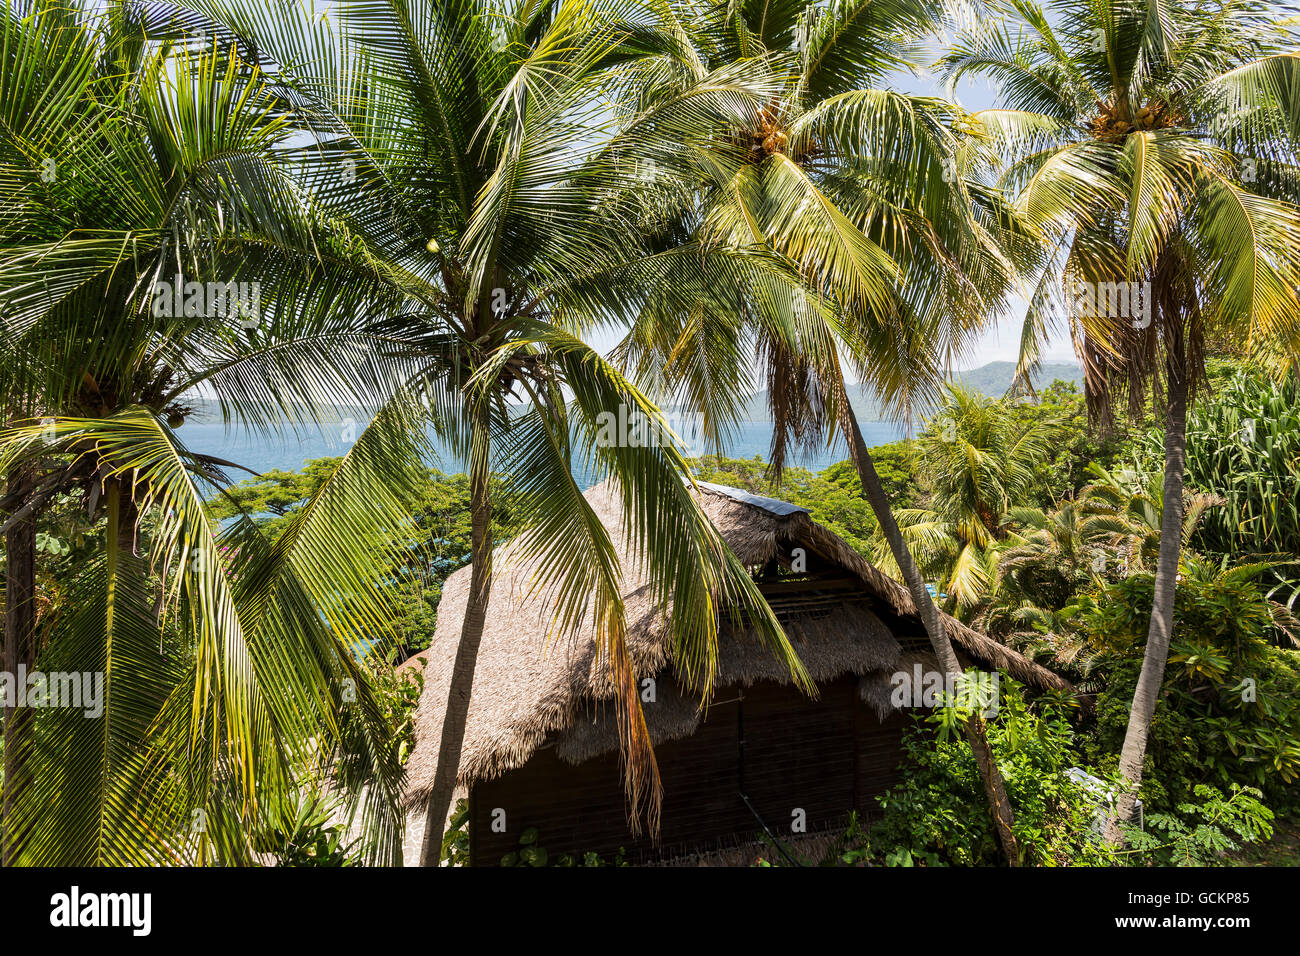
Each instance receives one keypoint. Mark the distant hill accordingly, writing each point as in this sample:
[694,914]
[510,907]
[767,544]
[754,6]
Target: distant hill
[992,379]
[995,378]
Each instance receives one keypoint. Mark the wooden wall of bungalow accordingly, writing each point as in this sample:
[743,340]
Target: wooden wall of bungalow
[781,749]
[760,754]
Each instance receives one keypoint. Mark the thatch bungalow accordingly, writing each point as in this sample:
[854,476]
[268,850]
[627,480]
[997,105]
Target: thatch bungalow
[541,741]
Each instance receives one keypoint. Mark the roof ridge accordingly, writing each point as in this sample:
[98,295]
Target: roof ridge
[774,506]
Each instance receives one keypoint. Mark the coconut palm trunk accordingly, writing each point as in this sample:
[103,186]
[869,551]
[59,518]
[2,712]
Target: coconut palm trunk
[1151,678]
[994,788]
[19,649]
[462,675]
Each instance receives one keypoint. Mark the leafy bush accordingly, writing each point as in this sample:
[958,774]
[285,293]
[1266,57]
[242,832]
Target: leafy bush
[1230,713]
[305,834]
[1059,473]
[399,696]
[529,852]
[1199,834]
[938,814]
[455,840]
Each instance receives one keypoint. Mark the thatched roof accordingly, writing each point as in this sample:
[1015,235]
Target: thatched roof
[413,664]
[529,692]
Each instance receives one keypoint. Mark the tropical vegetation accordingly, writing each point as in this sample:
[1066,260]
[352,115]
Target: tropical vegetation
[425,214]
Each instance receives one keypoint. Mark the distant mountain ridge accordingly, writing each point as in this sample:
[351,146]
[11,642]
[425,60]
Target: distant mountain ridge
[992,379]
[995,378]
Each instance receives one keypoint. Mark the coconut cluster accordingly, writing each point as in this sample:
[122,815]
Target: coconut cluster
[1114,122]
[768,135]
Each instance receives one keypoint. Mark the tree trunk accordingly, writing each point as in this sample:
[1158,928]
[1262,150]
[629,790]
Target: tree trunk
[19,650]
[1147,693]
[994,788]
[462,675]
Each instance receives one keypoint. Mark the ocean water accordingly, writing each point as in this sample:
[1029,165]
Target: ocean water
[260,452]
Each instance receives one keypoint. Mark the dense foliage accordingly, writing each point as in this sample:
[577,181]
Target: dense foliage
[432,545]
[1070,582]
[433,208]
[1244,444]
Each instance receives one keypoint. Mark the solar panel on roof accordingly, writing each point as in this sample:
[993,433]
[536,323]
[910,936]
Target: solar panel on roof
[772,505]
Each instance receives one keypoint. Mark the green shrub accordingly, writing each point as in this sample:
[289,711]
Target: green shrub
[304,833]
[528,852]
[1200,834]
[938,814]
[1230,712]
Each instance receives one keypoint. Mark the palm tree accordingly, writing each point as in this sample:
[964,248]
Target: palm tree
[868,194]
[980,463]
[1125,508]
[1153,145]
[1047,559]
[1218,575]
[451,150]
[230,668]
